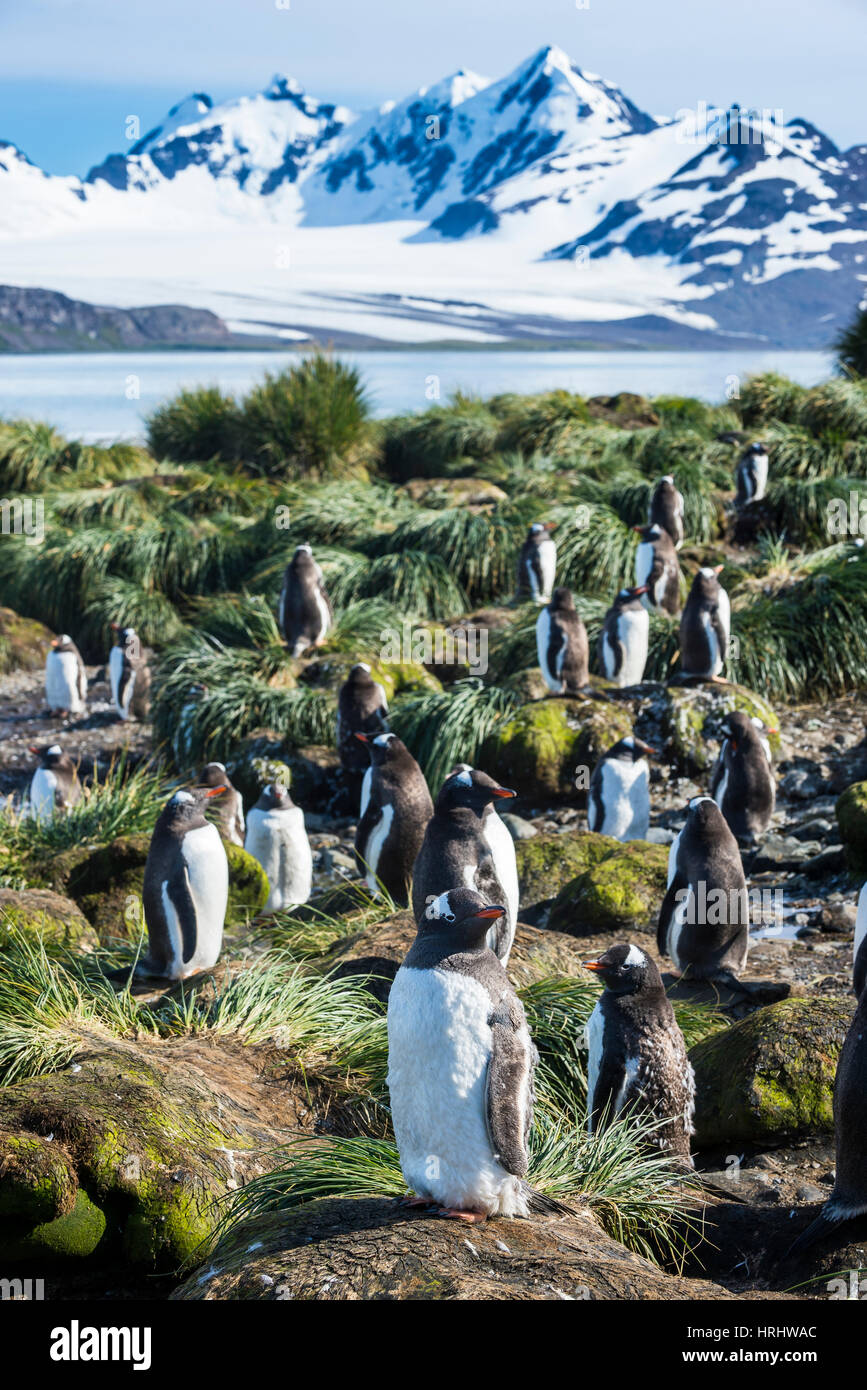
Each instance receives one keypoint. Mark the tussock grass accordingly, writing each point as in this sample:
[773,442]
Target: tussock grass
[479,549]
[196,426]
[126,801]
[448,727]
[444,438]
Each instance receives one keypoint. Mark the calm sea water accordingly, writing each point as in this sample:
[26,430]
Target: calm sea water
[105,396]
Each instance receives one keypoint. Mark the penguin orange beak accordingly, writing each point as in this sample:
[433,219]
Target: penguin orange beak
[33,749]
[490,914]
[551,525]
[718,569]
[595,965]
[504,791]
[215,791]
[361,737]
[638,530]
[642,588]
[115,626]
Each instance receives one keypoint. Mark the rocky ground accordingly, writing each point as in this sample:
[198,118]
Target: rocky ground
[240,1104]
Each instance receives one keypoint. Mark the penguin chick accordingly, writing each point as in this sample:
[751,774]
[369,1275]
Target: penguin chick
[705,626]
[618,802]
[65,677]
[848,1198]
[704,918]
[657,570]
[277,838]
[186,889]
[54,785]
[460,1066]
[636,1052]
[227,804]
[466,845]
[562,645]
[751,476]
[129,675]
[624,638]
[395,809]
[537,564]
[305,614]
[742,782]
[666,509]
[362,708]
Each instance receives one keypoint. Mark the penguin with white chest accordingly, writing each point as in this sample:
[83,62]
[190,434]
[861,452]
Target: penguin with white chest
[666,509]
[859,947]
[848,1198]
[742,782]
[54,785]
[65,677]
[362,708]
[186,889]
[624,638]
[129,675]
[637,1056]
[277,838]
[460,1066]
[705,626]
[657,570]
[537,563]
[227,803]
[704,918]
[618,800]
[751,476]
[395,809]
[305,614]
[466,845]
[562,645]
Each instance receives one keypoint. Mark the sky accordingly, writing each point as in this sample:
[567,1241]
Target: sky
[72,71]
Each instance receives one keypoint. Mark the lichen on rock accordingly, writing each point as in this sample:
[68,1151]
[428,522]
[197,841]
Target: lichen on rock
[538,751]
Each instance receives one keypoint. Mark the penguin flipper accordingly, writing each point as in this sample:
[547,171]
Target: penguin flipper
[826,1222]
[82,681]
[609,1084]
[181,899]
[666,912]
[509,1089]
[722,636]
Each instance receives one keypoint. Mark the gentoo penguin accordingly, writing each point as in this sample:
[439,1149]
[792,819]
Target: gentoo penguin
[752,475]
[537,563]
[186,889]
[362,708]
[705,626]
[65,677]
[466,845]
[624,638]
[54,785]
[704,918]
[305,612]
[657,571]
[395,809]
[666,509]
[849,1196]
[636,1051]
[129,674]
[228,805]
[618,802]
[460,1065]
[859,950]
[277,838]
[742,783]
[561,641]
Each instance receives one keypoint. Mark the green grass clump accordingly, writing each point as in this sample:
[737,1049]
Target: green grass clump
[196,426]
[448,727]
[126,801]
[309,421]
[445,439]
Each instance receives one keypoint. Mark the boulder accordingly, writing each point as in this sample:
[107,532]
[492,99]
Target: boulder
[622,891]
[693,714]
[852,820]
[56,921]
[24,643]
[543,747]
[770,1077]
[546,863]
[368,1248]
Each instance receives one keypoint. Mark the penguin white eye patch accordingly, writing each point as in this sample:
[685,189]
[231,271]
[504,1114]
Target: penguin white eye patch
[438,909]
[55,750]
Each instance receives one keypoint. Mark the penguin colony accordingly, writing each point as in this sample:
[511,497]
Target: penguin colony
[461,1059]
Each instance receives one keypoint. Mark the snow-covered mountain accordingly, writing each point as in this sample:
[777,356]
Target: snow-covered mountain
[542,206]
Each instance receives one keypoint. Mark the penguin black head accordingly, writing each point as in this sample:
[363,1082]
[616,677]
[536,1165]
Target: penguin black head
[51,756]
[186,809]
[630,595]
[649,533]
[706,583]
[562,601]
[704,814]
[463,913]
[383,748]
[303,558]
[215,775]
[625,969]
[123,635]
[465,786]
[63,643]
[630,750]
[359,674]
[757,447]
[541,531]
[275,797]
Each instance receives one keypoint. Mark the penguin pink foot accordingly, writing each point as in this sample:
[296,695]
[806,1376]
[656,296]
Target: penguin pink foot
[472,1218]
[414,1202]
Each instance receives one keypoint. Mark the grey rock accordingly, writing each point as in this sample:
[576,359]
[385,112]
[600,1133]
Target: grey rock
[518,828]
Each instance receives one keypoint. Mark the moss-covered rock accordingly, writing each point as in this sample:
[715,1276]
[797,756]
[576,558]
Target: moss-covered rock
[539,751]
[771,1076]
[24,643]
[546,863]
[38,1182]
[106,884]
[395,677]
[693,715]
[56,921]
[852,819]
[528,685]
[622,890]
